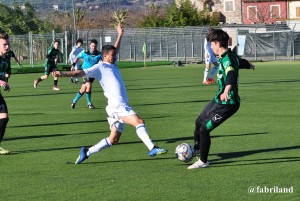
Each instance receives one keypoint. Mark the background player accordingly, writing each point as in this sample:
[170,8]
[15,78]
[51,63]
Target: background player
[10,54]
[75,51]
[210,58]
[90,58]
[4,48]
[118,109]
[50,65]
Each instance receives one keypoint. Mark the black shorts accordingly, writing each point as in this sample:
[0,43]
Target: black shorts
[50,67]
[214,114]
[3,106]
[91,80]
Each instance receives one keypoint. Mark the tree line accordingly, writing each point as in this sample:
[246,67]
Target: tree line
[15,21]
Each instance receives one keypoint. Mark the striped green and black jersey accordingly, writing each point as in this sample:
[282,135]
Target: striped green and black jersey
[3,67]
[10,54]
[229,62]
[52,54]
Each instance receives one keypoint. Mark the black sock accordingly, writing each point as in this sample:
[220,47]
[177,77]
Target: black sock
[55,82]
[39,80]
[3,123]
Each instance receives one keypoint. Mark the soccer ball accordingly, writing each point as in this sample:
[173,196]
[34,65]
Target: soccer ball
[184,152]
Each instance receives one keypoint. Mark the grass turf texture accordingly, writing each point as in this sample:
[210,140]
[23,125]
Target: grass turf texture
[38,68]
[258,146]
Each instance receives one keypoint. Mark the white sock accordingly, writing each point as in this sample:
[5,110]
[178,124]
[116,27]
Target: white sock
[205,74]
[143,135]
[103,144]
[213,71]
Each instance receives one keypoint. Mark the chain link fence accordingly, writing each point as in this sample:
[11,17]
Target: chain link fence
[254,42]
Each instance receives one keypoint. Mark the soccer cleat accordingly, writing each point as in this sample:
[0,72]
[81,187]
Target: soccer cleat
[157,151]
[35,83]
[211,80]
[3,151]
[206,82]
[82,155]
[91,106]
[198,164]
[55,88]
[73,105]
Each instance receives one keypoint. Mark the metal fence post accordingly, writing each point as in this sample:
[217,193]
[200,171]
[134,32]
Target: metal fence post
[134,47]
[168,58]
[66,47]
[274,50]
[30,49]
[192,45]
[293,41]
[255,53]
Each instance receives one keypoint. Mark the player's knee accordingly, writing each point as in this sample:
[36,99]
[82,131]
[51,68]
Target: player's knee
[114,140]
[198,122]
[140,121]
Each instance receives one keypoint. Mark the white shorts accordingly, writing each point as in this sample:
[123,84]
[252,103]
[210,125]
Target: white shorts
[212,58]
[116,112]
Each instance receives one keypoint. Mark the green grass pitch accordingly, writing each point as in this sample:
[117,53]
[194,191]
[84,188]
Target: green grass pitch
[259,146]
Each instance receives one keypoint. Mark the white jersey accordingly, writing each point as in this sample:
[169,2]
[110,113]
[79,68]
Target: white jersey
[111,81]
[75,51]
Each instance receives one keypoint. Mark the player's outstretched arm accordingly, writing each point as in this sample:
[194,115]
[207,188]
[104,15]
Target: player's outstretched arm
[76,73]
[120,33]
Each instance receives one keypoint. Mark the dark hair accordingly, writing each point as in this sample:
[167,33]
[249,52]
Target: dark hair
[79,40]
[208,32]
[107,48]
[4,36]
[56,41]
[218,35]
[94,41]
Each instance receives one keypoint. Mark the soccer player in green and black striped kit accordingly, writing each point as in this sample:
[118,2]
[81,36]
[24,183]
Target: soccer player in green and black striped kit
[4,48]
[225,103]
[50,65]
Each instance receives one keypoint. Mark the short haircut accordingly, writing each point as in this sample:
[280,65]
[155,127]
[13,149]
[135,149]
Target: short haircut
[56,41]
[79,40]
[4,36]
[94,41]
[218,35]
[107,48]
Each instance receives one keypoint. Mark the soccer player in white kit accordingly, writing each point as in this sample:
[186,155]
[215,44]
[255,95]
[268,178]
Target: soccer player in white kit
[73,54]
[210,58]
[118,109]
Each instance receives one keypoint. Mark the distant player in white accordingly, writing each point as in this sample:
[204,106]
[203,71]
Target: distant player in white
[210,58]
[75,51]
[118,109]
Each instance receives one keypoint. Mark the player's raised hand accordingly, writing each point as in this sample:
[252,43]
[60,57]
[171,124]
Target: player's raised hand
[56,73]
[120,29]
[4,85]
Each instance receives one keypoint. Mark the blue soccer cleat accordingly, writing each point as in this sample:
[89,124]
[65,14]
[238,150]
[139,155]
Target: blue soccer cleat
[157,151]
[82,155]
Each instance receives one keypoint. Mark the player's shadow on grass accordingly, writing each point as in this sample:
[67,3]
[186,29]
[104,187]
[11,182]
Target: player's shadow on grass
[43,94]
[58,124]
[131,160]
[233,155]
[163,87]
[182,139]
[52,135]
[167,103]
[271,81]
[217,163]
